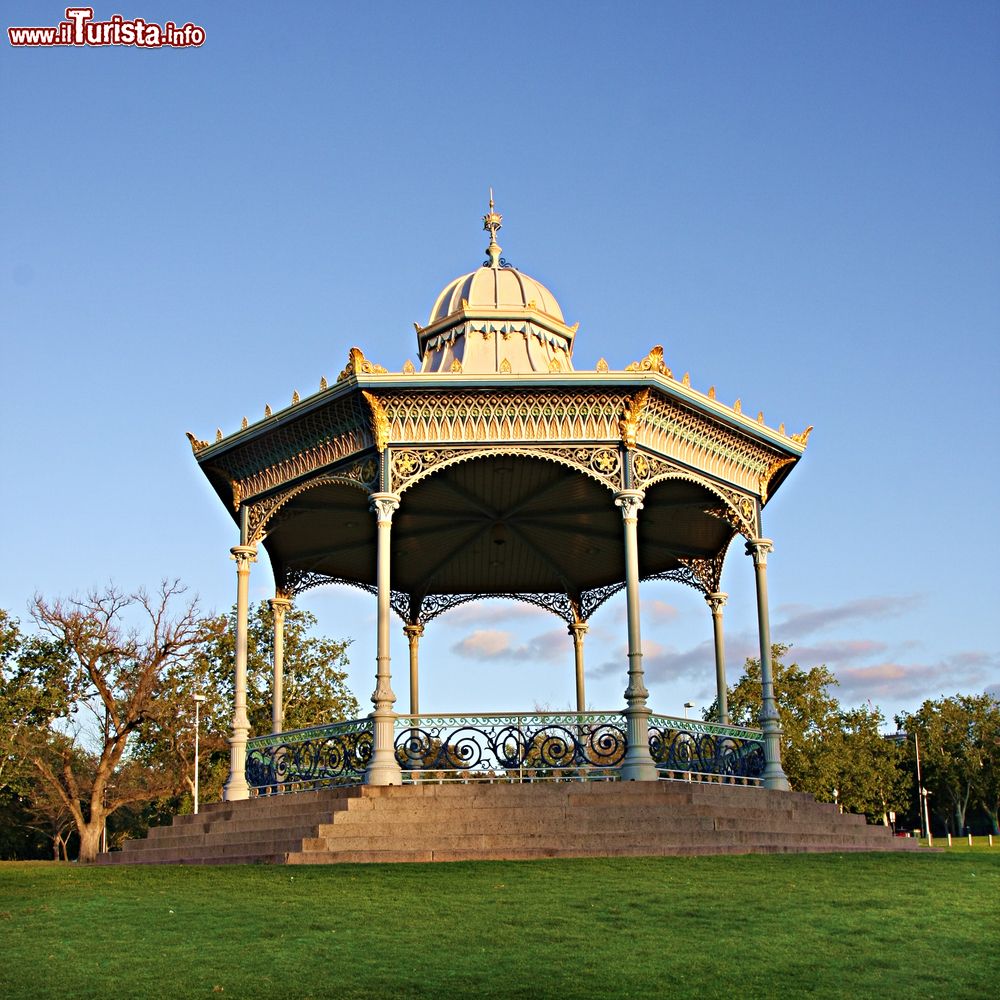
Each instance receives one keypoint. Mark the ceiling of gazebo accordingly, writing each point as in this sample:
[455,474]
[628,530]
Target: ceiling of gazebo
[502,524]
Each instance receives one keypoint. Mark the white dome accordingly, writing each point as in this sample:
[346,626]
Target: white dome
[497,288]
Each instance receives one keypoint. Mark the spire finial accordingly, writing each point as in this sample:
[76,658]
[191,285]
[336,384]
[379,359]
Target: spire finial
[492,223]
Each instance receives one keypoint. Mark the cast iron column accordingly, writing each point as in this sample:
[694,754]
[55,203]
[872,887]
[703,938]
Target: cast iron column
[638,764]
[716,602]
[413,634]
[578,630]
[279,605]
[383,769]
[236,787]
[770,722]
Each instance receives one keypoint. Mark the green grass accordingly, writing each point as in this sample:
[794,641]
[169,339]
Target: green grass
[866,925]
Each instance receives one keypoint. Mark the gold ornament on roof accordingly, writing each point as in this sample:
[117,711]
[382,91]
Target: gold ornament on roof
[196,444]
[555,365]
[267,409]
[760,418]
[322,382]
[295,396]
[711,392]
[218,433]
[738,406]
[602,366]
[358,364]
[245,424]
[803,438]
[772,471]
[781,429]
[686,380]
[380,421]
[408,368]
[652,362]
[505,368]
[628,425]
[456,366]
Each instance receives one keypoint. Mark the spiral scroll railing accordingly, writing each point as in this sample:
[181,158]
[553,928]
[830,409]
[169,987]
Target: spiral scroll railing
[682,748]
[514,747]
[317,757]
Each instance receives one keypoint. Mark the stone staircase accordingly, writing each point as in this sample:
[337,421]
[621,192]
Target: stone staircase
[457,822]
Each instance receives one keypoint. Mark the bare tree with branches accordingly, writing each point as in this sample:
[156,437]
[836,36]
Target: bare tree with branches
[116,652]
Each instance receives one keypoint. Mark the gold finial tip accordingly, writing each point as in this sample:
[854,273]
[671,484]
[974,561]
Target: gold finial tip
[492,221]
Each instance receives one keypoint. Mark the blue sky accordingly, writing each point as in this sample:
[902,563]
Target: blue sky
[801,202]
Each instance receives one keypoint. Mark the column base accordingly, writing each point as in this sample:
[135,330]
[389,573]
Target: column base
[777,780]
[638,770]
[384,772]
[235,790]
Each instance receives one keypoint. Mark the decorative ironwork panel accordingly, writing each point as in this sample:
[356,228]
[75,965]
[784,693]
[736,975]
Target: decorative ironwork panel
[706,574]
[510,747]
[601,462]
[317,757]
[669,429]
[310,442]
[706,748]
[504,416]
[262,514]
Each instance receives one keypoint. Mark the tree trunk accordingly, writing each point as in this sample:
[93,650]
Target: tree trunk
[994,816]
[90,840]
[55,847]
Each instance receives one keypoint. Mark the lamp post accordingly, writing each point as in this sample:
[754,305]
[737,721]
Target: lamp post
[923,813]
[198,699]
[687,705]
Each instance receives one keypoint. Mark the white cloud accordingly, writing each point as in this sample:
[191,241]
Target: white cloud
[551,647]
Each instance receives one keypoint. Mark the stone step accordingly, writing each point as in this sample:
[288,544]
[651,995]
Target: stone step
[465,821]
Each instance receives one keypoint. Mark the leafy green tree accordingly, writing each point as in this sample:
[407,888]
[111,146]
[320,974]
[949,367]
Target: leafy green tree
[987,782]
[823,746]
[314,674]
[314,682]
[29,696]
[958,749]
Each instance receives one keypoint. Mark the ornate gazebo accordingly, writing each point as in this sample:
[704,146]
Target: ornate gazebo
[493,468]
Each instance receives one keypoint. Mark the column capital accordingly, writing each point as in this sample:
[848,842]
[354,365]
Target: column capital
[244,556]
[279,604]
[383,505]
[716,601]
[759,548]
[578,630]
[630,502]
[413,630]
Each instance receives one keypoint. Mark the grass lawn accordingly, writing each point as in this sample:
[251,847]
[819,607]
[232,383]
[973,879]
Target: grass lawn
[868,925]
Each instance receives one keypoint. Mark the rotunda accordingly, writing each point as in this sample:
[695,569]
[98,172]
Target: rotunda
[495,468]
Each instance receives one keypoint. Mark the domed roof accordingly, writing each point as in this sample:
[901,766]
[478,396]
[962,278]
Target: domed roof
[496,285]
[499,288]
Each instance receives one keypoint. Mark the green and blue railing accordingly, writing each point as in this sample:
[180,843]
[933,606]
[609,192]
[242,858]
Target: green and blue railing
[517,747]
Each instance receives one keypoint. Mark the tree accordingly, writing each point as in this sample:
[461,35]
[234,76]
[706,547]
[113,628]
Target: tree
[109,655]
[26,701]
[315,692]
[314,678]
[823,746]
[987,782]
[958,744]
